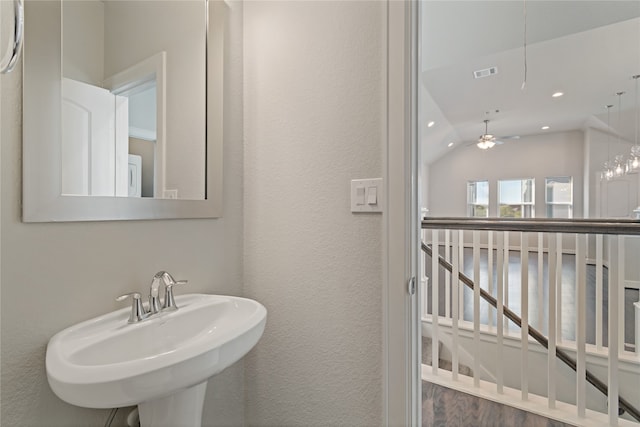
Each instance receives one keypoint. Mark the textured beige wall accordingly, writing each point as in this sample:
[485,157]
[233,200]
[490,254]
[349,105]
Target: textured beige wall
[54,275]
[314,111]
[83,41]
[314,114]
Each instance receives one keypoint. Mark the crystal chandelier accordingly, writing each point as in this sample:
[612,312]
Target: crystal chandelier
[633,163]
[620,165]
[618,162]
[607,170]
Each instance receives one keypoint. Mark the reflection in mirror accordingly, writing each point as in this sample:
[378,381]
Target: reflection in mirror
[160,66]
[133,91]
[525,132]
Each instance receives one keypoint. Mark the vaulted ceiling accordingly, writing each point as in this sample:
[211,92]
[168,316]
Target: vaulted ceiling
[586,49]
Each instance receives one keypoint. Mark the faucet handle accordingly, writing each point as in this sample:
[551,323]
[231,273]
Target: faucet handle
[169,301]
[137,310]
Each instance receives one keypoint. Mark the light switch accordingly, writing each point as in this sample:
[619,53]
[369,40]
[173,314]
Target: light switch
[360,196]
[367,195]
[372,196]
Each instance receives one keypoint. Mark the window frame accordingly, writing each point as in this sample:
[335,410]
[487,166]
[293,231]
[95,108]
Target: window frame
[471,205]
[549,204]
[523,204]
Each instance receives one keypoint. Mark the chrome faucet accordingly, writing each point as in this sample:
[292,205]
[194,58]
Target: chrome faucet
[154,298]
[169,282]
[138,312]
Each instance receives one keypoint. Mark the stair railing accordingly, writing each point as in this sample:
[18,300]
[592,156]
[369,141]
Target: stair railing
[580,228]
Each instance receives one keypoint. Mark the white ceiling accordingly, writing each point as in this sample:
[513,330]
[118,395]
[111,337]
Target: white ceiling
[587,49]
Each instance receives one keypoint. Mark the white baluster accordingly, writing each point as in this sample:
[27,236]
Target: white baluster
[599,292]
[620,283]
[551,355]
[613,330]
[489,275]
[447,278]
[524,313]
[540,282]
[476,308]
[425,298]
[435,283]
[581,329]
[505,299]
[461,293]
[457,242]
[424,280]
[559,336]
[500,307]
[636,306]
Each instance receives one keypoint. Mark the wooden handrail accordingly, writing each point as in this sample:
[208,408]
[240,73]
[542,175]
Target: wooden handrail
[542,225]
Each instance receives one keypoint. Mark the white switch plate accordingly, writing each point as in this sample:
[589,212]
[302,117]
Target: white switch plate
[367,184]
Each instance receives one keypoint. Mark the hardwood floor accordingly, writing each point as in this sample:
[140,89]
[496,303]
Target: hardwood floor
[514,294]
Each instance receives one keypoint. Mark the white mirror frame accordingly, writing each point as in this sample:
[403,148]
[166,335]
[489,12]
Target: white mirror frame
[42,77]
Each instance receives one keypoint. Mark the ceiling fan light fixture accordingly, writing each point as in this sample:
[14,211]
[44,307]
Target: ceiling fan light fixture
[486,140]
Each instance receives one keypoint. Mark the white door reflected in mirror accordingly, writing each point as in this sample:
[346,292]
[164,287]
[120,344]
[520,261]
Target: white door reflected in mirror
[94,141]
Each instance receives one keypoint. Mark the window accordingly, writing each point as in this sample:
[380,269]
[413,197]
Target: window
[516,198]
[559,196]
[478,199]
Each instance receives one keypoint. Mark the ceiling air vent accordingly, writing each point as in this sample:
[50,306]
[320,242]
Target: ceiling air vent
[485,73]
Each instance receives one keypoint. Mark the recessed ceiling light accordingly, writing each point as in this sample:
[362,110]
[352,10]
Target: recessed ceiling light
[545,127]
[450,144]
[430,124]
[557,94]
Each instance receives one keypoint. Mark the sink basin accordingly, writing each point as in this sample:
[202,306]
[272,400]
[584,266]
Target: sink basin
[106,362]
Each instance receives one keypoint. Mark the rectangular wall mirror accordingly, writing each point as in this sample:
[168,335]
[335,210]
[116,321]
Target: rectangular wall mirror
[122,110]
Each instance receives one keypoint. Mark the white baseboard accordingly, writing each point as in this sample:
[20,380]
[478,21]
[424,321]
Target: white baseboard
[632,284]
[536,404]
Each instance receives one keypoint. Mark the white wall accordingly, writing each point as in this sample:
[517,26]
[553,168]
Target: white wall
[83,41]
[54,275]
[314,107]
[314,115]
[541,156]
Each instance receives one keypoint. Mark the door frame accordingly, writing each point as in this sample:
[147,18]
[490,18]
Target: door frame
[402,385]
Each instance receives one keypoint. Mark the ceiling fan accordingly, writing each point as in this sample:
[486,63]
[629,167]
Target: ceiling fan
[487,140]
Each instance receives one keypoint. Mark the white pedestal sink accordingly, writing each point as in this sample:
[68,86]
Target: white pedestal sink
[161,364]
